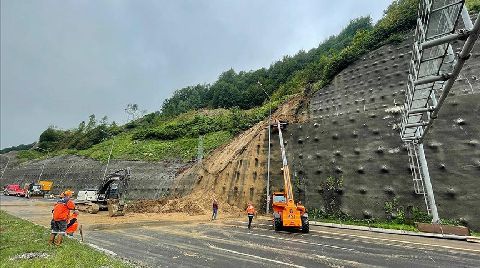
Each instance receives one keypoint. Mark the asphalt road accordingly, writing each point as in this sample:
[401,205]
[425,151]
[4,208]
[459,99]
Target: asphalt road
[218,245]
[230,244]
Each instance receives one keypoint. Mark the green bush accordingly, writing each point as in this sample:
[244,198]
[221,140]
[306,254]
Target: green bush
[473,5]
[50,138]
[29,155]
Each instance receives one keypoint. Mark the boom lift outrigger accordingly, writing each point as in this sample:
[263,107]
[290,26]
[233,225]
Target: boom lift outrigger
[287,214]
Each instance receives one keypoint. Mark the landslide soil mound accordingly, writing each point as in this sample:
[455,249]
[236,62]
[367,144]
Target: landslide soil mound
[193,204]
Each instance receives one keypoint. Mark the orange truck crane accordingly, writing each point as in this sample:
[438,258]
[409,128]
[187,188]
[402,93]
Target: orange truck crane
[286,213]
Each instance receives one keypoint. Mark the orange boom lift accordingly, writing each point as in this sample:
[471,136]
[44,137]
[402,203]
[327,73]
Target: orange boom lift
[286,213]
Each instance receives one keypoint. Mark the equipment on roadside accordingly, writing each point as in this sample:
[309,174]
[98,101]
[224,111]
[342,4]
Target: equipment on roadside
[38,189]
[286,213]
[109,196]
[14,189]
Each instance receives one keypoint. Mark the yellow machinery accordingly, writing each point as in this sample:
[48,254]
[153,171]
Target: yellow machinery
[286,213]
[39,189]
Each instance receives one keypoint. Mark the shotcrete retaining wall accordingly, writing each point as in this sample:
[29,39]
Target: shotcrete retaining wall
[352,136]
[149,180]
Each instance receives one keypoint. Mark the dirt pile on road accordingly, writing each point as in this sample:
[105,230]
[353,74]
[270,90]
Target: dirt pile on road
[166,206]
[194,204]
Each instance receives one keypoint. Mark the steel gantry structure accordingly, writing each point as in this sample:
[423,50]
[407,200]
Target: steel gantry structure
[433,69]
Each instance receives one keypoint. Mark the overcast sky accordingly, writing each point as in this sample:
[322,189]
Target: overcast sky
[64,60]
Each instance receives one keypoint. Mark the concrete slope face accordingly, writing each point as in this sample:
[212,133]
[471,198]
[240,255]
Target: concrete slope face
[347,157]
[148,179]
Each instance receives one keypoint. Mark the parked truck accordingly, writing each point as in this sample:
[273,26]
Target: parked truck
[38,189]
[14,189]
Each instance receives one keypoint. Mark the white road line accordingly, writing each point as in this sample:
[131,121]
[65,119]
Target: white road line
[109,252]
[304,242]
[426,246]
[299,241]
[255,257]
[397,241]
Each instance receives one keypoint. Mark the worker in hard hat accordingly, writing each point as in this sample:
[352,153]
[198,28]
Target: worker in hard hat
[61,212]
[250,213]
[72,225]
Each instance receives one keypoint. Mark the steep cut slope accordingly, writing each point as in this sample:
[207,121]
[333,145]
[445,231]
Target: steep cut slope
[235,173]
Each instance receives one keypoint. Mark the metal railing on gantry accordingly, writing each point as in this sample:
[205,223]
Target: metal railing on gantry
[434,67]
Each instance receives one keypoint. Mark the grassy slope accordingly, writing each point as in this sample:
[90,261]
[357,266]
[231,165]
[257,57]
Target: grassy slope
[19,236]
[152,150]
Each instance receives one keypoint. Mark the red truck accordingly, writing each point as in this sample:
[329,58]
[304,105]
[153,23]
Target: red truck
[14,189]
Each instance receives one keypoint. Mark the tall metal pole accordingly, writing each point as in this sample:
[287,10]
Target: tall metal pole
[43,166]
[269,146]
[428,183]
[41,172]
[108,161]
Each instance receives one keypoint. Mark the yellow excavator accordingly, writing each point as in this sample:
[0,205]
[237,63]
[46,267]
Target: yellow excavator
[287,215]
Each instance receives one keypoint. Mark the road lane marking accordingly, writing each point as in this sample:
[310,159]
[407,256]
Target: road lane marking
[397,241]
[475,251]
[393,242]
[301,241]
[304,242]
[255,256]
[104,250]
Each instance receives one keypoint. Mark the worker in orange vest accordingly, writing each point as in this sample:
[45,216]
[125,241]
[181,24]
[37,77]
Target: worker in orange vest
[250,213]
[72,225]
[61,212]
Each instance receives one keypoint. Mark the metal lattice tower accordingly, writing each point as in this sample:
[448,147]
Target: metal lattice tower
[434,67]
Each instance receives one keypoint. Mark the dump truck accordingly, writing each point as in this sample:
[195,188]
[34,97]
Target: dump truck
[38,189]
[287,215]
[110,195]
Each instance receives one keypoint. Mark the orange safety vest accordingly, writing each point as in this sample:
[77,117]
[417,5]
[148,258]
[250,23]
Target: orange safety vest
[72,228]
[61,210]
[250,210]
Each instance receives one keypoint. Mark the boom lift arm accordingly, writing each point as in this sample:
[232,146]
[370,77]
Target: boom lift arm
[287,214]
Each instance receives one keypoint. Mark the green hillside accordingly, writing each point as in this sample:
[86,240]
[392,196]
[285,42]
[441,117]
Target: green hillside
[233,103]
